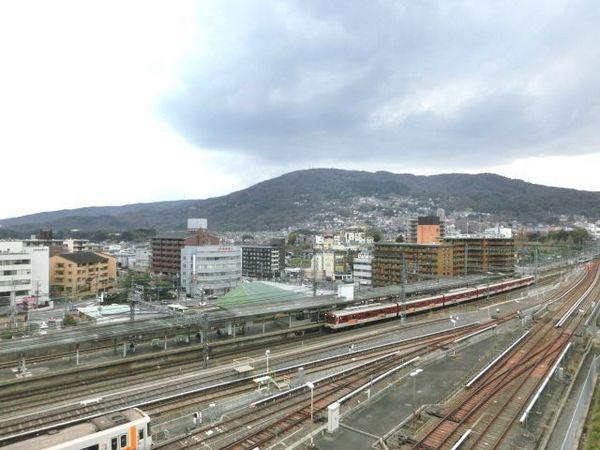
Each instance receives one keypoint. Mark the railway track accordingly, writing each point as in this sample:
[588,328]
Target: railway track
[21,396]
[259,423]
[484,414]
[161,397]
[21,393]
[170,399]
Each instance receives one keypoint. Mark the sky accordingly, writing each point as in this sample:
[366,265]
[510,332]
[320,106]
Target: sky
[106,103]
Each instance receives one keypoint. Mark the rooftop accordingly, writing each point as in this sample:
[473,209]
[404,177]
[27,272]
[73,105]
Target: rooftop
[247,293]
[84,257]
[172,235]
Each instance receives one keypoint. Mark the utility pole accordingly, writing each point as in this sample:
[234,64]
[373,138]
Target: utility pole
[14,320]
[535,262]
[205,339]
[314,274]
[403,290]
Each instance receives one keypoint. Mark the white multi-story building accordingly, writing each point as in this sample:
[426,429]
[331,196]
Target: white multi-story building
[24,271]
[77,245]
[142,260]
[357,237]
[213,268]
[323,264]
[499,231]
[362,270]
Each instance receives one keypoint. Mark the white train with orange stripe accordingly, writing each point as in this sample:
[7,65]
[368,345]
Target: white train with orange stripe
[121,430]
[357,315]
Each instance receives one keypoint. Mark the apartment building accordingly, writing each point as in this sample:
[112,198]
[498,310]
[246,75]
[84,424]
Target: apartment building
[166,248]
[362,270]
[82,274]
[142,260]
[263,261]
[426,230]
[418,260]
[480,254]
[77,245]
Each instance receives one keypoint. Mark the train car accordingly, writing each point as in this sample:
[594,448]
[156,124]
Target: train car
[421,304]
[357,315]
[460,295]
[122,430]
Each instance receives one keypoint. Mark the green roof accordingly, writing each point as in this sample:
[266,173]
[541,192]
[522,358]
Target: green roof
[256,292]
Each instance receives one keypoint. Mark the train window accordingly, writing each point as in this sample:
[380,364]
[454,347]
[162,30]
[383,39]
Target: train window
[113,444]
[123,440]
[141,434]
[91,447]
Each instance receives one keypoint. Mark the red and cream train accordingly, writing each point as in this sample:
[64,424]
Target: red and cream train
[373,312]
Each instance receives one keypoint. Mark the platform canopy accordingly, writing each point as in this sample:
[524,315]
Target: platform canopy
[256,292]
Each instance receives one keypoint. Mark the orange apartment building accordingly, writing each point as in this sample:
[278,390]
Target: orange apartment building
[419,260]
[82,274]
[426,230]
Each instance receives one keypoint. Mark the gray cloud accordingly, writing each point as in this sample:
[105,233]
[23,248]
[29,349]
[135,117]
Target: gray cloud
[463,82]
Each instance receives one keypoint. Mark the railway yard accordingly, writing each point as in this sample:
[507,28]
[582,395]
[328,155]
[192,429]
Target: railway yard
[487,373]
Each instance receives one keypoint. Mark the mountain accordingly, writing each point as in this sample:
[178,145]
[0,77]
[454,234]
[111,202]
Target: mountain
[299,196]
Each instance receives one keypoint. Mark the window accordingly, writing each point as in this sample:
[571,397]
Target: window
[140,434]
[91,447]
[123,440]
[113,444]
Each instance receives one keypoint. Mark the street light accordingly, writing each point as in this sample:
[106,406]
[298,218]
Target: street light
[414,374]
[311,386]
[453,320]
[267,353]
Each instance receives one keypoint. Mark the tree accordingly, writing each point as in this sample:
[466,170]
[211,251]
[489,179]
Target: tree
[69,321]
[127,236]
[580,236]
[400,239]
[375,233]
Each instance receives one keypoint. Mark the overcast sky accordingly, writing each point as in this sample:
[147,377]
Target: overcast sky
[118,102]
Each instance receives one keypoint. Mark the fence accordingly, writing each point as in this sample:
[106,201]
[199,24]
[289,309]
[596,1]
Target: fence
[571,439]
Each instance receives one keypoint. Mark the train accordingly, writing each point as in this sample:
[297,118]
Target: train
[122,430]
[373,312]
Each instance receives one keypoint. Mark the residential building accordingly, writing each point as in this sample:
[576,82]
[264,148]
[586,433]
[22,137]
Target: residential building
[426,230]
[210,269]
[263,261]
[142,260]
[77,245]
[480,254]
[499,231]
[125,259]
[362,270]
[357,237]
[166,248]
[418,261]
[23,273]
[332,264]
[82,274]
[55,246]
